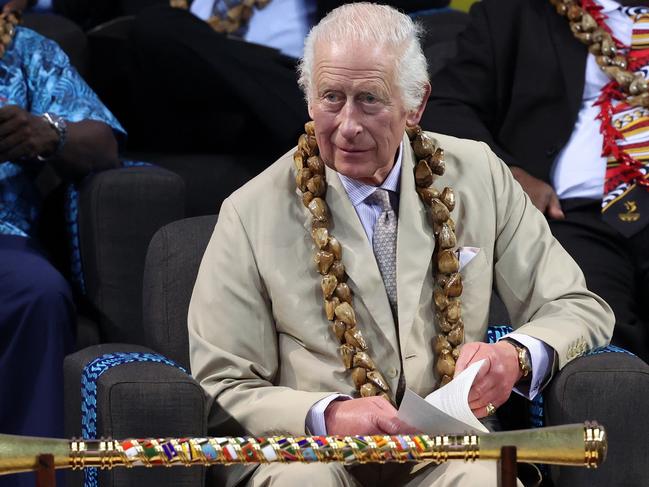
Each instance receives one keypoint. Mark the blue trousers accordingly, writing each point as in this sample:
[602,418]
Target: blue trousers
[37,317]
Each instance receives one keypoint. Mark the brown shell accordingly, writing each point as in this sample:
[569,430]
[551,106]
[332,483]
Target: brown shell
[323,261]
[453,287]
[436,162]
[302,178]
[456,336]
[309,127]
[446,237]
[330,307]
[347,352]
[338,270]
[328,285]
[317,185]
[608,48]
[445,380]
[345,313]
[573,12]
[298,160]
[315,164]
[362,359]
[440,343]
[355,338]
[320,237]
[454,310]
[343,292]
[444,324]
[318,209]
[339,329]
[638,85]
[456,353]
[412,132]
[447,262]
[588,23]
[335,248]
[427,194]
[445,365]
[423,146]
[439,211]
[376,378]
[423,174]
[448,198]
[368,390]
[359,376]
[307,144]
[440,299]
[306,198]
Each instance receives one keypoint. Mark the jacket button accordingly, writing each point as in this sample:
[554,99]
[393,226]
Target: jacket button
[392,372]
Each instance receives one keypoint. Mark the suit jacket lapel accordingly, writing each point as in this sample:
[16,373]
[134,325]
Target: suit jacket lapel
[571,54]
[358,258]
[415,245]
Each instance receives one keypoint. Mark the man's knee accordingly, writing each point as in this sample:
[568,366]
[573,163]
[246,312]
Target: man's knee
[317,474]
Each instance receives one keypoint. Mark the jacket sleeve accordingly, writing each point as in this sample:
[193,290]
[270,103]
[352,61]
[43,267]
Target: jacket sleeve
[233,339]
[542,287]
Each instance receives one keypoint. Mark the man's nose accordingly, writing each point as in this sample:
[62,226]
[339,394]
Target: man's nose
[350,121]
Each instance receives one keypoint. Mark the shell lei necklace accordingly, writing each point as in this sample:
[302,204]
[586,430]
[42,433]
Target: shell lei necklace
[338,296]
[630,88]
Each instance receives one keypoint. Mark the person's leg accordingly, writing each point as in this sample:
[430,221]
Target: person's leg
[36,322]
[606,261]
[317,474]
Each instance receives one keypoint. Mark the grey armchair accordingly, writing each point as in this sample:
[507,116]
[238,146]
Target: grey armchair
[609,387]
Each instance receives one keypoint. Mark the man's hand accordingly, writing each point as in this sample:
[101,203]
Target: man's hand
[540,192]
[497,376]
[23,135]
[364,416]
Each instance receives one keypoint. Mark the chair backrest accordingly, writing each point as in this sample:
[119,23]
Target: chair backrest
[171,267]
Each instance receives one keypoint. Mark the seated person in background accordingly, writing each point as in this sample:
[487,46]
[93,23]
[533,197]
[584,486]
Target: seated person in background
[268,326]
[222,94]
[48,116]
[571,131]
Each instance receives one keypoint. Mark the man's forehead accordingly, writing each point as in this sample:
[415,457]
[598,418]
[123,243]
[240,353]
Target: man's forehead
[353,60]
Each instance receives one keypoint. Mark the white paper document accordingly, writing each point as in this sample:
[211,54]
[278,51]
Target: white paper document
[446,410]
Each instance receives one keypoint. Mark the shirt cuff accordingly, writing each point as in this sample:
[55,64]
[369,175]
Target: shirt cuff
[315,418]
[542,357]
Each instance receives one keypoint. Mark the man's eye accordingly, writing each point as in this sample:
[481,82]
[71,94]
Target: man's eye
[332,97]
[369,98]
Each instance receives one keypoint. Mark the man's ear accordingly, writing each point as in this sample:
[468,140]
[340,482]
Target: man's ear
[413,117]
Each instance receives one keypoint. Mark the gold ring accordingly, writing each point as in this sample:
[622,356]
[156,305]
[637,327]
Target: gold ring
[491,409]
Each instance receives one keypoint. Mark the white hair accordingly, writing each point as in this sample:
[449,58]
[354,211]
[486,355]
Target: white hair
[378,25]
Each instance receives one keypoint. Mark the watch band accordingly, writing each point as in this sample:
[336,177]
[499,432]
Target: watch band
[524,359]
[59,125]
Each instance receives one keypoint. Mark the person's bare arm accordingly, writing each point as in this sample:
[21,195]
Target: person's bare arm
[89,145]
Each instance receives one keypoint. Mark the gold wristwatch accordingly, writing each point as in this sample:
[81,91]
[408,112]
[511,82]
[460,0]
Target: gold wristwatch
[524,360]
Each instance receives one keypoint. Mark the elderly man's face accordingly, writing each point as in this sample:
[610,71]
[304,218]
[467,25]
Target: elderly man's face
[358,111]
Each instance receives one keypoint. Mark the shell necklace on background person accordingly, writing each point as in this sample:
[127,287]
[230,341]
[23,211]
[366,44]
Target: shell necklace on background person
[338,297]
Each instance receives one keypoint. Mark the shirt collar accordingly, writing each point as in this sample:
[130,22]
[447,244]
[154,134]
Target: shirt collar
[358,191]
[608,5]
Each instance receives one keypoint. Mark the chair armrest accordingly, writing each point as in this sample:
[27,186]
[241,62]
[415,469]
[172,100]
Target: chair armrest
[137,400]
[119,211]
[613,389]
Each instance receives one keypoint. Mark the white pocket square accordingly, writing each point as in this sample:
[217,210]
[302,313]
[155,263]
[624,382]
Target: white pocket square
[466,255]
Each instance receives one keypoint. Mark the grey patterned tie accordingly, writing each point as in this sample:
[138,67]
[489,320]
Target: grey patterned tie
[385,244]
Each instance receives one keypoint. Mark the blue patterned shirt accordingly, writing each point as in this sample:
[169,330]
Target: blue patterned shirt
[36,75]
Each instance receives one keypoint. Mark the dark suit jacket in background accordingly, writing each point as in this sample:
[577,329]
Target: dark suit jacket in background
[516,83]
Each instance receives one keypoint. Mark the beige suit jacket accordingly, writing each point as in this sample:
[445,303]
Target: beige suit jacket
[260,343]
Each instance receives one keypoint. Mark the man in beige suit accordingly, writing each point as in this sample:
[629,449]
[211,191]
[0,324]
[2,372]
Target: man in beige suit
[261,343]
